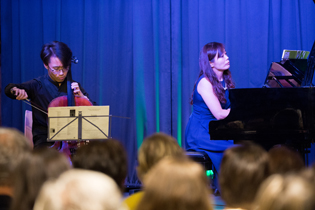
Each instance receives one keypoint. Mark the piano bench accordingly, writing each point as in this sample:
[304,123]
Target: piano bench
[202,158]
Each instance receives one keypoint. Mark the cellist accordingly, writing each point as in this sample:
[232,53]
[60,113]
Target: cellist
[56,57]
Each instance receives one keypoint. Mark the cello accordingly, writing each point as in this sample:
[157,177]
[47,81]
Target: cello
[69,147]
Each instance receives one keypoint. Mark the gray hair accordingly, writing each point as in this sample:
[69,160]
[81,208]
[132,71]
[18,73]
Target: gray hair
[79,189]
[13,145]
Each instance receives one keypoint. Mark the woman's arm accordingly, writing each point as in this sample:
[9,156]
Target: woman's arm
[205,89]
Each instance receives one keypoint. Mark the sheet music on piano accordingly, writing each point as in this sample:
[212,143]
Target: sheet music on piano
[294,54]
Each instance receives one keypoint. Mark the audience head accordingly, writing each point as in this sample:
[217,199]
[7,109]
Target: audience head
[243,169]
[108,157]
[176,183]
[154,148]
[13,145]
[286,192]
[309,174]
[35,168]
[283,160]
[79,189]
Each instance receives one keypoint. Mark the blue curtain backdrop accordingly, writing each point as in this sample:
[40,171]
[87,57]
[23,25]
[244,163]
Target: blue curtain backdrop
[141,56]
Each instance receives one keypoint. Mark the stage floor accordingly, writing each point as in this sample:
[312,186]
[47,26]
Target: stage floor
[218,203]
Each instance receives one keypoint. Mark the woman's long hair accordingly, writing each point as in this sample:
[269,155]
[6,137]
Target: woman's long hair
[208,53]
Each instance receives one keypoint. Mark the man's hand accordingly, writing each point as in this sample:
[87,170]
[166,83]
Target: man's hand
[76,89]
[19,93]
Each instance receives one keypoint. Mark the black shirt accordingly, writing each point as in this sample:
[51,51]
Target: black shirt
[5,202]
[41,91]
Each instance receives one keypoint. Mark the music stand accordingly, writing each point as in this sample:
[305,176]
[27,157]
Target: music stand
[293,71]
[79,123]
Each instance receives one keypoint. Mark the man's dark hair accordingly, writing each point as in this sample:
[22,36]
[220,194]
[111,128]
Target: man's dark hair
[56,49]
[108,157]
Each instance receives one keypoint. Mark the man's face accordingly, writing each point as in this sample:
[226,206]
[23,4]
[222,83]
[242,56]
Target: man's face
[56,71]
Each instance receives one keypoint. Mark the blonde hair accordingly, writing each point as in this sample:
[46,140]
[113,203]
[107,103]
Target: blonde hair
[285,192]
[154,148]
[176,183]
[79,189]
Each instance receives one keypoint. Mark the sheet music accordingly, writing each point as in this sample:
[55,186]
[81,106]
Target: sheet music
[95,122]
[294,54]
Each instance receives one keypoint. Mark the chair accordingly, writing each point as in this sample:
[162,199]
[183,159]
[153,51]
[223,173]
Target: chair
[202,158]
[28,121]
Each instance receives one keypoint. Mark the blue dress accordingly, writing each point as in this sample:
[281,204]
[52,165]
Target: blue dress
[197,137]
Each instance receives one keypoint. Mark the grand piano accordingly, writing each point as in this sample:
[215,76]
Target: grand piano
[282,112]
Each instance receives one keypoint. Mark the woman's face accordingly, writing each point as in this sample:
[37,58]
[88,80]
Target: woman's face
[220,63]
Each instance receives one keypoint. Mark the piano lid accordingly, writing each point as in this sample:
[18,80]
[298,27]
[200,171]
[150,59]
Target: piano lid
[310,68]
